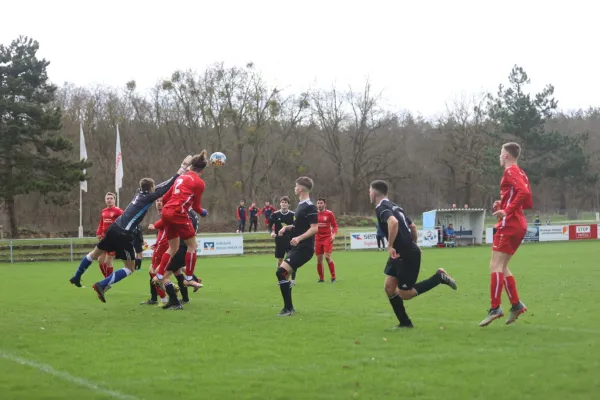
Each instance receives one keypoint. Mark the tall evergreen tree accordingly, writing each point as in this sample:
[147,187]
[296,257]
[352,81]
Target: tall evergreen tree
[34,157]
[546,154]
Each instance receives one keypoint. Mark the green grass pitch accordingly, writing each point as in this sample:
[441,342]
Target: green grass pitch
[60,342]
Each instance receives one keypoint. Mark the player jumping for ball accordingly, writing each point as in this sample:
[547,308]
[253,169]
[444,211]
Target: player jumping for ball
[404,263]
[186,194]
[515,195]
[119,237]
[324,239]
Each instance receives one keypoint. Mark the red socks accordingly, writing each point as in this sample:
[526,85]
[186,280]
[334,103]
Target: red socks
[511,289]
[106,270]
[164,263]
[496,282]
[190,263]
[161,293]
[331,269]
[320,271]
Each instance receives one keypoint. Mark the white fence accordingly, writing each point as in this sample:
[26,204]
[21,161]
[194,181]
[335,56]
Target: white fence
[233,244]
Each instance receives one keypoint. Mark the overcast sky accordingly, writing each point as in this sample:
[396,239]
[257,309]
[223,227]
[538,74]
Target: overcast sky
[420,53]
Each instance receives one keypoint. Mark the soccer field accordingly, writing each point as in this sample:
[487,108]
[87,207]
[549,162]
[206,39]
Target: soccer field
[60,342]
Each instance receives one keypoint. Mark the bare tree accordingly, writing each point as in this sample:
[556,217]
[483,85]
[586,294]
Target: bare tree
[464,136]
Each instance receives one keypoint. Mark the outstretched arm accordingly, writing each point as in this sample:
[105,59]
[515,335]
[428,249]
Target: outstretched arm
[163,187]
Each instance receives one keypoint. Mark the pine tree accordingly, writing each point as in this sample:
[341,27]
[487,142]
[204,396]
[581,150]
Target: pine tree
[34,157]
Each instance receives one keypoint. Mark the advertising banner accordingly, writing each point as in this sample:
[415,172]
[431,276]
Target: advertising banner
[583,232]
[363,240]
[220,246]
[368,240]
[532,235]
[554,233]
[427,238]
[489,235]
[208,246]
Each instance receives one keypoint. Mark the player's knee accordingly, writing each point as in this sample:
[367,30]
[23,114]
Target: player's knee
[390,290]
[495,266]
[281,274]
[407,294]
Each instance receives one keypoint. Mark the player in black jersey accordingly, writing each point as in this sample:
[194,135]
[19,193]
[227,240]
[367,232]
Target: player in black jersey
[120,235]
[277,220]
[404,263]
[303,242]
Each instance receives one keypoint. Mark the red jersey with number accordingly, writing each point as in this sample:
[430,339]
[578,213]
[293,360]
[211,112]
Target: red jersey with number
[515,196]
[327,225]
[108,216]
[185,194]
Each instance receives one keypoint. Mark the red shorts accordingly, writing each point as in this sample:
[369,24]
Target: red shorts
[323,247]
[508,239]
[177,225]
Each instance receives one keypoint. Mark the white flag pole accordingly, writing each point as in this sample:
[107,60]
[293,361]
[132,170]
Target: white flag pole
[80,213]
[82,184]
[118,167]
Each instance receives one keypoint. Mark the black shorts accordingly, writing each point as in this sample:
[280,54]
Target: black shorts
[138,242]
[118,241]
[298,256]
[405,270]
[178,260]
[282,246]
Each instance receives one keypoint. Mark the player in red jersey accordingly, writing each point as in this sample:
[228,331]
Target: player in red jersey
[107,217]
[159,247]
[267,211]
[184,195]
[324,239]
[515,196]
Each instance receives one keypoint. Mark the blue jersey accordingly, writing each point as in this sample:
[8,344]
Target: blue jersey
[138,208]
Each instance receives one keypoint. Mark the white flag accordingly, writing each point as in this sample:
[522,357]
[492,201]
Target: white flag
[119,164]
[82,156]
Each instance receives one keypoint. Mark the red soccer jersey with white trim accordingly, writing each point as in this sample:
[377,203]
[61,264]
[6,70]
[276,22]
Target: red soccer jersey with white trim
[327,225]
[515,195]
[184,195]
[108,216]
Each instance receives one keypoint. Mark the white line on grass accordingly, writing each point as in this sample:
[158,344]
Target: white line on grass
[65,376]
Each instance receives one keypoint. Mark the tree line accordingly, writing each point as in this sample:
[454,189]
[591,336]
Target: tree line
[342,137]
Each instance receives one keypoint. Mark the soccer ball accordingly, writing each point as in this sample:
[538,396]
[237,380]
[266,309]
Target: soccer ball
[217,159]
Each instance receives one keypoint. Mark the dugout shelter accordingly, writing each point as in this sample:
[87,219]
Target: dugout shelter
[468,223]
